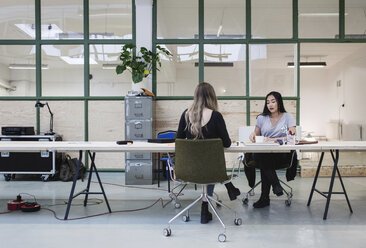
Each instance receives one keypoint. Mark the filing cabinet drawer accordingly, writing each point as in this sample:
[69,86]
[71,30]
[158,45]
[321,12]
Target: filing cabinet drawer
[138,172]
[138,155]
[138,130]
[138,108]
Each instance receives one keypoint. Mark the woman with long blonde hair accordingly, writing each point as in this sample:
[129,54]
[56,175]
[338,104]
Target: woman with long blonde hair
[203,121]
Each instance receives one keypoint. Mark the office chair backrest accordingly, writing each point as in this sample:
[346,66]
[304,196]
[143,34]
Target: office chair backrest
[170,134]
[200,161]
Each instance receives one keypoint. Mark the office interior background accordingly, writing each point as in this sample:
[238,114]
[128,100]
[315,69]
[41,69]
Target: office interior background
[65,52]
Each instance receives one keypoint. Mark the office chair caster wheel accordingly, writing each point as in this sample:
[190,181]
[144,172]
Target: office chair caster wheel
[7,177]
[167,232]
[222,237]
[245,201]
[288,202]
[238,221]
[185,218]
[177,205]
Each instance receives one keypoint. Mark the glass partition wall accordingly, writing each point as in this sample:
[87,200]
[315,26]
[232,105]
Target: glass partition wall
[65,52]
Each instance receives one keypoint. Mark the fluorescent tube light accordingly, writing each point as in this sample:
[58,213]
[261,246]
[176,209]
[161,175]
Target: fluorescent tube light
[25,66]
[109,66]
[218,64]
[321,14]
[308,64]
[77,60]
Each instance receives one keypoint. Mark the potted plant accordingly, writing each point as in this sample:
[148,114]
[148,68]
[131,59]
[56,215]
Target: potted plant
[139,65]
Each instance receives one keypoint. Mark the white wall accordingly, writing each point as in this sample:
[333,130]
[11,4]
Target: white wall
[321,99]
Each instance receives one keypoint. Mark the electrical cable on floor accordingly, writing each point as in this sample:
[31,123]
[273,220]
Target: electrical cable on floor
[113,212]
[99,201]
[90,203]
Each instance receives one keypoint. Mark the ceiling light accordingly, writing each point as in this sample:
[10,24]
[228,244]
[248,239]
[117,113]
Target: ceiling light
[26,66]
[308,64]
[109,66]
[321,14]
[77,60]
[218,64]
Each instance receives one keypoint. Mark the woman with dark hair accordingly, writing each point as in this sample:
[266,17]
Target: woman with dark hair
[203,121]
[273,124]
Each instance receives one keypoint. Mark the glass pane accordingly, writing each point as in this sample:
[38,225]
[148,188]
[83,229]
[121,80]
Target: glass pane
[68,120]
[271,19]
[17,19]
[338,88]
[177,19]
[234,113]
[178,76]
[110,130]
[355,19]
[17,113]
[225,19]
[324,15]
[18,74]
[110,19]
[105,81]
[257,106]
[62,19]
[225,68]
[269,71]
[65,76]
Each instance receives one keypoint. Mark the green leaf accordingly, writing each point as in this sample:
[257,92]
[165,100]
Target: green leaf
[137,76]
[120,69]
[128,46]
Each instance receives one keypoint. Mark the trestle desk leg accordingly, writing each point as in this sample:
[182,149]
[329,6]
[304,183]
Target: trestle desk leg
[330,191]
[315,178]
[73,185]
[89,178]
[99,181]
[344,188]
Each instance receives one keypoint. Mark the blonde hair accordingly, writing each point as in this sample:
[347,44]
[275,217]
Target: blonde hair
[204,97]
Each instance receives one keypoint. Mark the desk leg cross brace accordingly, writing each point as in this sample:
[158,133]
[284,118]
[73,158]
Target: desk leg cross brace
[328,194]
[86,191]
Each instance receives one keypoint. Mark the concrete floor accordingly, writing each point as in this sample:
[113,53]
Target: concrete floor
[274,226]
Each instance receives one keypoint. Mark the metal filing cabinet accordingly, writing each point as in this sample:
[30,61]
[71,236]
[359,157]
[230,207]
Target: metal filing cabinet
[42,163]
[138,127]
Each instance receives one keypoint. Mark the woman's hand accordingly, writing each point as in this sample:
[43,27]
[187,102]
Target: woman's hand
[252,137]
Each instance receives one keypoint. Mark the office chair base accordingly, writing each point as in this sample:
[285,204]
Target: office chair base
[222,236]
[288,193]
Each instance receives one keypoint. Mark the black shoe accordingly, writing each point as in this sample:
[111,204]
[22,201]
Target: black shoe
[206,216]
[277,190]
[232,191]
[261,203]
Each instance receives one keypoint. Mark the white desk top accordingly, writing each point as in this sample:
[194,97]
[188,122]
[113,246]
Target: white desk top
[111,146]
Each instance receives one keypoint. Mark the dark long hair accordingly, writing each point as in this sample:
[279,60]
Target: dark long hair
[279,101]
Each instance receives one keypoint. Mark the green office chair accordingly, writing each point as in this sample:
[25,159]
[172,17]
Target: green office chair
[202,162]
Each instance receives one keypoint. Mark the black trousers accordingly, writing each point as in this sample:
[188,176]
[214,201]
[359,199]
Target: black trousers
[268,163]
